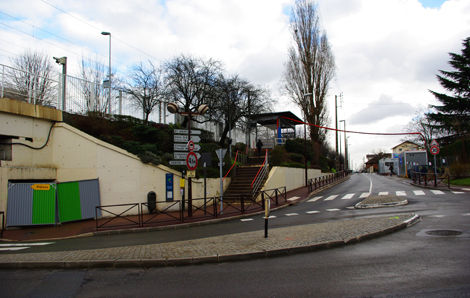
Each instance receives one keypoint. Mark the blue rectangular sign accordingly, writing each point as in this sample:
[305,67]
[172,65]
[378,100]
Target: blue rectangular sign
[169,187]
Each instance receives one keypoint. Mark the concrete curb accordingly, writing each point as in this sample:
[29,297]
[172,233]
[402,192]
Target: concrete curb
[147,263]
[380,205]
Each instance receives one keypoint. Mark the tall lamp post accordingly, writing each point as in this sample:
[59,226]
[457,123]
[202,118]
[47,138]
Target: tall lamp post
[63,61]
[305,143]
[345,167]
[109,70]
[201,110]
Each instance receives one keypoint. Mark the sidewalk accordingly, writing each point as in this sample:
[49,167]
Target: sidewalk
[87,228]
[281,241]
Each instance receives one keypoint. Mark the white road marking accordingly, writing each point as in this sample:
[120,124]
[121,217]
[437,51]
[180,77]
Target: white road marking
[437,215]
[364,195]
[312,212]
[246,219]
[383,193]
[330,198]
[437,192]
[332,210]
[25,244]
[348,196]
[315,199]
[466,214]
[467,189]
[401,193]
[370,184]
[272,216]
[292,214]
[457,192]
[351,207]
[418,192]
[13,248]
[293,198]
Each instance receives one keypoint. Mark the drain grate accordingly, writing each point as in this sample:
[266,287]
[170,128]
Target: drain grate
[444,233]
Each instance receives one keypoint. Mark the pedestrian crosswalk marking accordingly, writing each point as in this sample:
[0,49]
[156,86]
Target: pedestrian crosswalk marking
[332,210]
[457,192]
[312,212]
[348,196]
[272,216]
[13,248]
[330,198]
[293,198]
[25,244]
[292,214]
[437,192]
[437,215]
[383,193]
[467,189]
[466,214]
[401,193]
[246,219]
[418,192]
[364,195]
[315,199]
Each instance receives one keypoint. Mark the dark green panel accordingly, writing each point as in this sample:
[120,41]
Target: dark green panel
[44,206]
[68,196]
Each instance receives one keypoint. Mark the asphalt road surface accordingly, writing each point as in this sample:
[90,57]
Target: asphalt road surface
[429,259]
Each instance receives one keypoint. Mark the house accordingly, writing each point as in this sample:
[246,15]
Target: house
[372,164]
[405,146]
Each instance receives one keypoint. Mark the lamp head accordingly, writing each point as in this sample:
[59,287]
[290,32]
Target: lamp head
[172,108]
[202,109]
[105,33]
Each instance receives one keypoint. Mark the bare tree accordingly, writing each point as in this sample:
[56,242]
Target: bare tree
[146,88]
[92,74]
[310,69]
[31,77]
[424,125]
[191,82]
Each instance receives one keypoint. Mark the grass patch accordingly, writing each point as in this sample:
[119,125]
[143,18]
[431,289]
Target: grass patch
[461,181]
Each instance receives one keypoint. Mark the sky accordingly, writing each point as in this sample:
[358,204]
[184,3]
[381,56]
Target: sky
[387,52]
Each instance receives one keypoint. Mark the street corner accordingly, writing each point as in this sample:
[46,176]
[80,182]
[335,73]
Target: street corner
[381,201]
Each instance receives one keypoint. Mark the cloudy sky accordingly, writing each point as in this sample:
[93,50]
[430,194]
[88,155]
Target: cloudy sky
[387,51]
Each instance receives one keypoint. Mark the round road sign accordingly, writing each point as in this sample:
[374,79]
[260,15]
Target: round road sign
[191,161]
[190,145]
[434,150]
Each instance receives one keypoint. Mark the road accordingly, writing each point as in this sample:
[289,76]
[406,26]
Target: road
[422,261]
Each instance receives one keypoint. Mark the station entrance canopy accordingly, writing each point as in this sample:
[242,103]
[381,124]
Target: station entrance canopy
[281,124]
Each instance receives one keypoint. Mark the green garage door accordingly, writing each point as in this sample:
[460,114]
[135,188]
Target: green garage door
[78,200]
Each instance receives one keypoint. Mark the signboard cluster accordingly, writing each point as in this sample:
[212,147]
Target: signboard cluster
[186,150]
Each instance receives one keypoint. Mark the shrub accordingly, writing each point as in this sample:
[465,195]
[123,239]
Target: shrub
[460,170]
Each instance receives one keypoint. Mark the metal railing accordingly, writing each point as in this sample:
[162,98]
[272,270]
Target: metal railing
[260,176]
[118,218]
[429,179]
[275,195]
[2,214]
[165,215]
[318,182]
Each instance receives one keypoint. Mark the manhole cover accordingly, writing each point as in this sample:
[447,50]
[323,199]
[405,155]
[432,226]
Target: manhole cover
[444,233]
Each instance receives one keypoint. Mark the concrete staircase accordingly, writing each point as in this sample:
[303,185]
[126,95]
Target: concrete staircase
[241,183]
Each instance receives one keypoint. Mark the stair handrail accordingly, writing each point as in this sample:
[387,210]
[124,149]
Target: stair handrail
[234,162]
[260,175]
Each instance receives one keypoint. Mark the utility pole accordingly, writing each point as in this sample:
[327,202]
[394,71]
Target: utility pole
[336,131]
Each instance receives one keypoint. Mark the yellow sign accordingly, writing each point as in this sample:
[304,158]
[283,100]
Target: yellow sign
[181,183]
[41,186]
[191,174]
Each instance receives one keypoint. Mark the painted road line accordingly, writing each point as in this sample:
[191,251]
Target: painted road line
[364,195]
[292,214]
[457,192]
[315,199]
[467,189]
[466,214]
[13,248]
[246,219]
[401,193]
[418,192]
[348,196]
[25,244]
[383,193]
[293,198]
[312,212]
[332,210]
[351,207]
[437,215]
[330,198]
[437,192]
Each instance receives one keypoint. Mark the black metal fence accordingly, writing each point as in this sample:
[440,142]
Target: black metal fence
[433,179]
[2,214]
[140,215]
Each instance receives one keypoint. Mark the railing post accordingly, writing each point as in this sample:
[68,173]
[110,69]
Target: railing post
[182,210]
[426,179]
[214,204]
[435,180]
[242,201]
[277,201]
[262,199]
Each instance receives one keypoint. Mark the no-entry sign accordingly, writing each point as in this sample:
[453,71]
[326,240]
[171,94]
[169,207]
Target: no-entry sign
[191,161]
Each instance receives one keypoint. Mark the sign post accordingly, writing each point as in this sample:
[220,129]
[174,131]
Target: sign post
[220,154]
[434,151]
[267,210]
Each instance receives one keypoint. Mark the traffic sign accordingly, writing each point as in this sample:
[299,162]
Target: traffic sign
[190,145]
[434,143]
[184,138]
[221,153]
[177,162]
[183,155]
[191,161]
[184,147]
[185,131]
[434,150]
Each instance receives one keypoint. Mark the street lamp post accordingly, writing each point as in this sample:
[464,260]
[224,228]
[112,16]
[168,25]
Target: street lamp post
[201,110]
[345,167]
[63,61]
[109,71]
[305,143]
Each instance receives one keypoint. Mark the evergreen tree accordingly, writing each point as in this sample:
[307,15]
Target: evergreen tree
[453,116]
